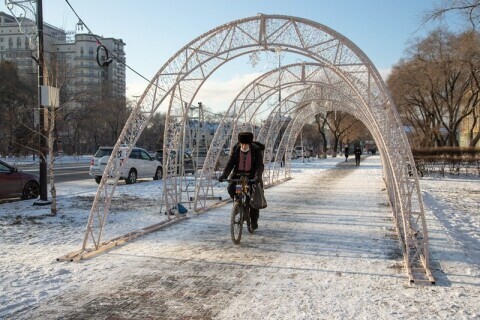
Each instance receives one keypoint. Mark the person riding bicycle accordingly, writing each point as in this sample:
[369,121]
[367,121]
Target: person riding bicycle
[245,159]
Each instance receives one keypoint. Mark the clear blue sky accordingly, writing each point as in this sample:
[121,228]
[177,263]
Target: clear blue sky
[154,30]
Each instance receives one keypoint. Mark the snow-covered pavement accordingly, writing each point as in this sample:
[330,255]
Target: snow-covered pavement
[325,249]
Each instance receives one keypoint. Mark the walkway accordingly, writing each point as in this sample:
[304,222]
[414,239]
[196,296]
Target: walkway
[325,249]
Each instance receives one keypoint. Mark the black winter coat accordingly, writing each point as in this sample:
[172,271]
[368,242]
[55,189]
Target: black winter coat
[257,162]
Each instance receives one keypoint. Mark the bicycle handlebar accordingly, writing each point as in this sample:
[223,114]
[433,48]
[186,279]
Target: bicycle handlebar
[249,181]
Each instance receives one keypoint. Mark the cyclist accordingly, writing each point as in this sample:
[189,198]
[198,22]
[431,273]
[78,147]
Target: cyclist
[245,159]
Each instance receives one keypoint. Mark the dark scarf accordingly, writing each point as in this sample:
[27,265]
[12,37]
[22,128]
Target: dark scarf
[245,164]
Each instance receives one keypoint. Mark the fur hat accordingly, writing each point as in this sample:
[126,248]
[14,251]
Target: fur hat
[245,137]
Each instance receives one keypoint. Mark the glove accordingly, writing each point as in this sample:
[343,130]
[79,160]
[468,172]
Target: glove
[222,178]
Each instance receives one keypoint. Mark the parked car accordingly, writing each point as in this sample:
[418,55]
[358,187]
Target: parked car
[200,156]
[188,164]
[302,152]
[17,184]
[139,164]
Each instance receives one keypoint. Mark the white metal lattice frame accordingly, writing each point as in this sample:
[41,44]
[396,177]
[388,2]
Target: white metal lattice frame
[176,84]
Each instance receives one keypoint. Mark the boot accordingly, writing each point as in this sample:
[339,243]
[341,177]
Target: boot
[254,224]
[254,213]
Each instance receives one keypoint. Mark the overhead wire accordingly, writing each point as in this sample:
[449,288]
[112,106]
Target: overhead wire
[100,43]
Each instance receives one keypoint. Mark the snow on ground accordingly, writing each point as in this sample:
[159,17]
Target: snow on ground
[325,249]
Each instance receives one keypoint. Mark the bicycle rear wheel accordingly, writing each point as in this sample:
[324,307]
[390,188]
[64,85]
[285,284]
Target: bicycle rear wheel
[236,223]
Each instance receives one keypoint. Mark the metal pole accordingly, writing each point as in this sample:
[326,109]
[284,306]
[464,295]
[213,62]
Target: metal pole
[301,143]
[43,137]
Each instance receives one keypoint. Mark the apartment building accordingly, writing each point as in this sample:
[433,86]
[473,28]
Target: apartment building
[71,58]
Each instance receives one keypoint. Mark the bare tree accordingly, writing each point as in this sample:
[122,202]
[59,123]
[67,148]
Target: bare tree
[103,121]
[436,85]
[152,136]
[54,78]
[339,124]
[469,9]
[357,133]
[17,98]
[413,104]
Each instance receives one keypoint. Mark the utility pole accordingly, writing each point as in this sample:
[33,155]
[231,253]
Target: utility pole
[43,136]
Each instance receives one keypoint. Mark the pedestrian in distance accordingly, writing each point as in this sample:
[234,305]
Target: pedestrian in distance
[346,153]
[246,158]
[358,153]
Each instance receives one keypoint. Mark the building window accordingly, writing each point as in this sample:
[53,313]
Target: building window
[81,51]
[90,52]
[19,42]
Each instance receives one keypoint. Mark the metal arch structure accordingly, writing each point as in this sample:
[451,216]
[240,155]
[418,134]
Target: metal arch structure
[317,84]
[176,84]
[254,100]
[314,91]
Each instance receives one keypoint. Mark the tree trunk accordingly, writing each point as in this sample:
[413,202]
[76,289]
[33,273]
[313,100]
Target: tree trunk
[321,130]
[475,140]
[335,147]
[324,155]
[51,170]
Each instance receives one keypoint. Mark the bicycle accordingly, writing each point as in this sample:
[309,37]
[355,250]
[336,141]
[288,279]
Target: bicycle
[241,208]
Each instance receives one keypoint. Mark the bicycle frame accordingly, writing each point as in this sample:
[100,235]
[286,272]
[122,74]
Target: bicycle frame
[243,195]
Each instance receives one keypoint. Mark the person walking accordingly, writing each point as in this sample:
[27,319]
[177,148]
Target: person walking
[358,153]
[246,158]
[346,153]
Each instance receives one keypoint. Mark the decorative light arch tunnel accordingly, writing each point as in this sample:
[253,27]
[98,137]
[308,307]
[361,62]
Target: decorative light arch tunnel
[338,76]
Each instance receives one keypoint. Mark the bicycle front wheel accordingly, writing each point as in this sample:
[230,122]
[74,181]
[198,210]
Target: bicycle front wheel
[236,224]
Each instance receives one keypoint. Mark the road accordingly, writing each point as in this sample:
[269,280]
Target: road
[65,172]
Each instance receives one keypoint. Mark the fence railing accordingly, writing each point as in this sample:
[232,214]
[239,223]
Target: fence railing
[447,160]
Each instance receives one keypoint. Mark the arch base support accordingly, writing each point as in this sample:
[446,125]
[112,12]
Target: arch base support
[107,245]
